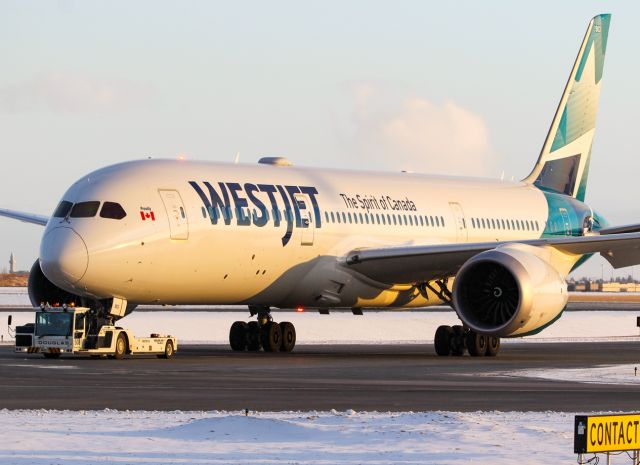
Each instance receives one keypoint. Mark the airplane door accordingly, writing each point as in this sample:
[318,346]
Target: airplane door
[566,221]
[461,225]
[308,227]
[178,224]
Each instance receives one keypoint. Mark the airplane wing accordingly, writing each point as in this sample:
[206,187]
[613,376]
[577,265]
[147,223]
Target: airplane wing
[26,217]
[411,264]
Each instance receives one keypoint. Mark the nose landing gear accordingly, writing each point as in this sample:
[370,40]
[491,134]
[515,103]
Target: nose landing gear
[454,340]
[263,333]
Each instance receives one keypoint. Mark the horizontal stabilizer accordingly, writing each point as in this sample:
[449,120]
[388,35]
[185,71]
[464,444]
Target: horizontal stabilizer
[627,228]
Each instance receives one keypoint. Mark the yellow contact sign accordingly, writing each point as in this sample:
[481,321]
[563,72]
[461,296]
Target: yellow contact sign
[606,433]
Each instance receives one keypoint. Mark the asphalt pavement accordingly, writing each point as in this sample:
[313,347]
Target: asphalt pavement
[321,377]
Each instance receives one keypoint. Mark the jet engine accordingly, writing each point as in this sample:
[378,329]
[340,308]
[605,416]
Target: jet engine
[509,291]
[41,290]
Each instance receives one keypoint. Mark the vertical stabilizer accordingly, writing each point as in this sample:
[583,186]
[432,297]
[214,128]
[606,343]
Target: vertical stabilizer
[563,165]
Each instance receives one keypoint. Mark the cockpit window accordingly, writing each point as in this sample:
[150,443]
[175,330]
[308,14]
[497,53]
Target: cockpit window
[63,209]
[112,210]
[85,209]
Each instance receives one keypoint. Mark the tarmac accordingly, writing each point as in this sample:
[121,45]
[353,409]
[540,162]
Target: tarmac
[321,377]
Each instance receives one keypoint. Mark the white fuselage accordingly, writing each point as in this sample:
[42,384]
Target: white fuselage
[173,248]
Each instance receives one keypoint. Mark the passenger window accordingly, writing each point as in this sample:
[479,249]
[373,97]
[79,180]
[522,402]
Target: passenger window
[116,212]
[383,219]
[377,218]
[63,209]
[437,222]
[338,216]
[410,220]
[326,217]
[85,209]
[388,219]
[333,219]
[344,218]
[395,220]
[442,221]
[349,216]
[493,224]
[421,222]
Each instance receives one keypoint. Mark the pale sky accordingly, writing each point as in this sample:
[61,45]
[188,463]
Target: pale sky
[464,88]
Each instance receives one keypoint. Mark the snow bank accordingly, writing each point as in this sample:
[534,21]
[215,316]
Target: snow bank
[370,328]
[114,437]
[14,296]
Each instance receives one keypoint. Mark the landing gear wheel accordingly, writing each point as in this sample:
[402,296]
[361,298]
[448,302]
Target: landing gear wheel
[121,347]
[253,336]
[493,346]
[51,355]
[476,344]
[238,336]
[168,351]
[457,341]
[442,340]
[288,336]
[271,337]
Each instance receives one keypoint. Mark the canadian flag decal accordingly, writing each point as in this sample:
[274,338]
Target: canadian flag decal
[147,214]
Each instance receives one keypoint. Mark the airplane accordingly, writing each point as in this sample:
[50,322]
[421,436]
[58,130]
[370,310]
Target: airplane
[274,236]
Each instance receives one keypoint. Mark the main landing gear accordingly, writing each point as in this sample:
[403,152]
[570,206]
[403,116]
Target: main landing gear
[264,333]
[454,340]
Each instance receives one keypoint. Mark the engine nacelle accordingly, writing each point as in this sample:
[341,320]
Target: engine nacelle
[41,290]
[509,291]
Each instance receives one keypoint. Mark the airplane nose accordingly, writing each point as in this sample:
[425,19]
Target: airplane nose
[63,256]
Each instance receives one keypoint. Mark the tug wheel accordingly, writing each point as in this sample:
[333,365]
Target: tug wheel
[168,351]
[121,347]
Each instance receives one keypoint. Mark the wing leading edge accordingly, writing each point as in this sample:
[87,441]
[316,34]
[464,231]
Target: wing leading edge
[411,264]
[25,217]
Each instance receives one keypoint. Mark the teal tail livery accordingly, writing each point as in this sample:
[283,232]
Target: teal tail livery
[272,235]
[563,165]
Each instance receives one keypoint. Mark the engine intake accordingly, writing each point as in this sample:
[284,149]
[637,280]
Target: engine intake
[41,290]
[509,291]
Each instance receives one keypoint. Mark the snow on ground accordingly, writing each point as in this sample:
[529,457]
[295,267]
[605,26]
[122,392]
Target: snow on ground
[602,374]
[14,296]
[128,437]
[374,327]
[345,328]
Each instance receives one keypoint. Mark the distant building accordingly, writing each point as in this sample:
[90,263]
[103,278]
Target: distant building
[619,287]
[12,263]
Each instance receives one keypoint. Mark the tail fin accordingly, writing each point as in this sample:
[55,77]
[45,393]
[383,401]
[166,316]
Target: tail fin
[563,165]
